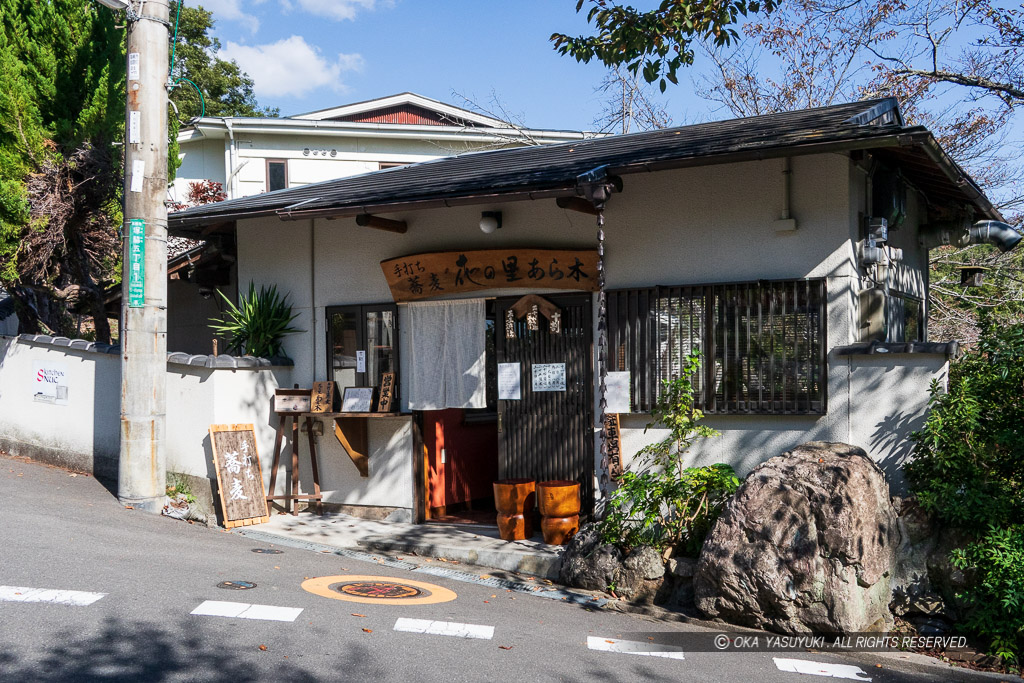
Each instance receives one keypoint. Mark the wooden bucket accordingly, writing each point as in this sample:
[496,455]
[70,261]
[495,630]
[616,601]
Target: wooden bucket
[559,503]
[515,500]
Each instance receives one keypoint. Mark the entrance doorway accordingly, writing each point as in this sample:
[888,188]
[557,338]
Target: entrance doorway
[549,434]
[543,435]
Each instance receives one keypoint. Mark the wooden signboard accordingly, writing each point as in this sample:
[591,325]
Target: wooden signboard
[322,400]
[387,392]
[292,400]
[449,272]
[614,452]
[239,478]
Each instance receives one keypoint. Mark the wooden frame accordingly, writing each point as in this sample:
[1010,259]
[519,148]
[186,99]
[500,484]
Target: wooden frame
[267,170]
[242,521]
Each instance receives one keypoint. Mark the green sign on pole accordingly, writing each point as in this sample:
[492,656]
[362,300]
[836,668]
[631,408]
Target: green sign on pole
[136,263]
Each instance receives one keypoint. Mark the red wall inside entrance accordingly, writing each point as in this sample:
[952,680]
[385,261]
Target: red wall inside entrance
[471,457]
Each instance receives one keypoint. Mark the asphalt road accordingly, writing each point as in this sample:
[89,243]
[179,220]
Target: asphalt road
[59,531]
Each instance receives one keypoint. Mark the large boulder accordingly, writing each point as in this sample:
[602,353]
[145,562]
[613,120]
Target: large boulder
[808,543]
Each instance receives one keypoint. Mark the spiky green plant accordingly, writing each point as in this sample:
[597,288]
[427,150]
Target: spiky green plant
[257,324]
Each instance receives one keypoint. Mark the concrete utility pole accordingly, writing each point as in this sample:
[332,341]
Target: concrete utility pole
[141,472]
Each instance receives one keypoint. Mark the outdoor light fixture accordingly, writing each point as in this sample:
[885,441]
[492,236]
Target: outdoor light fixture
[490,221]
[115,4]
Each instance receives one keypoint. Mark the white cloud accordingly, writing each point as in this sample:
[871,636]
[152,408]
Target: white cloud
[338,10]
[231,10]
[290,67]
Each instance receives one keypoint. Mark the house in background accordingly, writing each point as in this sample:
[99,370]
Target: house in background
[790,250]
[250,156]
[253,155]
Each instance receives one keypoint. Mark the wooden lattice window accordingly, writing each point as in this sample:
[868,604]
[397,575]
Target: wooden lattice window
[763,344]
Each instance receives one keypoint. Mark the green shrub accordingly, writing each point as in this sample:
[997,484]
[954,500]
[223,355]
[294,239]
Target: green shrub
[968,471]
[664,503]
[257,324]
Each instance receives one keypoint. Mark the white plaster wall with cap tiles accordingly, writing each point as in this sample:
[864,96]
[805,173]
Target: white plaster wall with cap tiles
[687,226]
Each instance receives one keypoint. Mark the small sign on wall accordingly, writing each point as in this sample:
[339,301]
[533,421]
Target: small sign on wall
[549,376]
[387,392]
[50,382]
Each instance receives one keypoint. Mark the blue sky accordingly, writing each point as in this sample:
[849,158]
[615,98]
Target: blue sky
[311,54]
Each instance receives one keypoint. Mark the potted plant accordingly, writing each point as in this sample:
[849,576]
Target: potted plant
[256,326]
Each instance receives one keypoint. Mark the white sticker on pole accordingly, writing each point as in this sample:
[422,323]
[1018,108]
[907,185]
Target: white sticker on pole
[360,361]
[138,174]
[134,126]
[508,382]
[133,66]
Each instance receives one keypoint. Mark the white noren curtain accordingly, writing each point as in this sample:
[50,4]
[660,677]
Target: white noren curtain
[447,354]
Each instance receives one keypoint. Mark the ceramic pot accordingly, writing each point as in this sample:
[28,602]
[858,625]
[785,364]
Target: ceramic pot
[515,500]
[559,503]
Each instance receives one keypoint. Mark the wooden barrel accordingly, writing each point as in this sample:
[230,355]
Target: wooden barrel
[515,500]
[559,503]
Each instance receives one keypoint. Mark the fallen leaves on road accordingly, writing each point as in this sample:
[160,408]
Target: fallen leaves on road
[126,507]
[356,614]
[486,600]
[505,647]
[367,630]
[263,648]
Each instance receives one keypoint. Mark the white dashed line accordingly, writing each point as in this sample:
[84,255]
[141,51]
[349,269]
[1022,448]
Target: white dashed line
[802,666]
[55,597]
[242,610]
[632,647]
[444,628]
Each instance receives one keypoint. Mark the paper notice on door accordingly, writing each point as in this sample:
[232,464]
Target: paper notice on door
[549,376]
[616,392]
[508,382]
[360,361]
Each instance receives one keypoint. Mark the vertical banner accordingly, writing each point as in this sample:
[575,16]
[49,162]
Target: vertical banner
[136,263]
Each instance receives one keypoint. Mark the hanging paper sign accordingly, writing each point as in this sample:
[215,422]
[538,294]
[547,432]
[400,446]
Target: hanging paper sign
[136,263]
[508,382]
[360,361]
[616,392]
[549,376]
[451,272]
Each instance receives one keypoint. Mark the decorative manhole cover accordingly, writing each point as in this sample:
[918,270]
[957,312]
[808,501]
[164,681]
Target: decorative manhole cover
[267,551]
[236,585]
[378,589]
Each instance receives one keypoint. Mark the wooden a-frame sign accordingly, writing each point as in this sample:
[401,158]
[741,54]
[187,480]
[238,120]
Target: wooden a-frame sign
[239,477]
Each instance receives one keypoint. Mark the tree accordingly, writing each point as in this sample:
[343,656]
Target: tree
[61,106]
[656,42]
[227,90]
[628,105]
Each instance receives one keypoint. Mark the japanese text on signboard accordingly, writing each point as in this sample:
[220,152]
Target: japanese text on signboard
[437,274]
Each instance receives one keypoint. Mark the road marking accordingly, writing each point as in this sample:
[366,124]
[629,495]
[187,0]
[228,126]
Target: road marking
[802,666]
[243,610]
[378,590]
[56,597]
[444,628]
[633,647]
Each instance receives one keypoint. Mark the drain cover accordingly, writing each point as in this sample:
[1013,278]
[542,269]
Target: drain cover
[236,585]
[267,551]
[378,589]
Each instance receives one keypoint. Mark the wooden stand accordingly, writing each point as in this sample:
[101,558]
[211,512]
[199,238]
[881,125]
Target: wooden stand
[293,481]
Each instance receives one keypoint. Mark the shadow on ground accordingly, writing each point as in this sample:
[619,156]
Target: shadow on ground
[133,651]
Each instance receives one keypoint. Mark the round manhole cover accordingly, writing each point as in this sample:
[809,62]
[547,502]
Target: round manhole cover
[236,585]
[387,590]
[267,551]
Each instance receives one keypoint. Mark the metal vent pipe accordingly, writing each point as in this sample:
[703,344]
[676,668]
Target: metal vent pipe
[1003,235]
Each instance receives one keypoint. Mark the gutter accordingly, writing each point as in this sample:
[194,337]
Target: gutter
[928,143]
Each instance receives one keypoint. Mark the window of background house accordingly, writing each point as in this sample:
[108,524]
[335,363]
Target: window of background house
[372,329]
[904,318]
[277,174]
[762,344]
[391,164]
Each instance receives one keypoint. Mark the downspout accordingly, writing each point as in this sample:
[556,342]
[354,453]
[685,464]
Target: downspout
[312,296]
[232,160]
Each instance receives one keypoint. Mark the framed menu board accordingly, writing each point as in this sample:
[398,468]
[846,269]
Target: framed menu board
[239,478]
